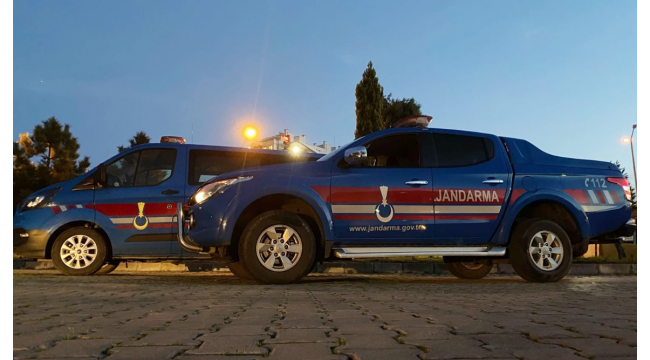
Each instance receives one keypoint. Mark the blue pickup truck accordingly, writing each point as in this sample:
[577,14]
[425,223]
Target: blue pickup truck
[475,199]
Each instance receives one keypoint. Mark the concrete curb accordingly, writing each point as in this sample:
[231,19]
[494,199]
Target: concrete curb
[347,267]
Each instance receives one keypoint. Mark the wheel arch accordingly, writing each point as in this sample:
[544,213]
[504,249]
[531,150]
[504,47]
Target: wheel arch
[73,224]
[281,201]
[556,206]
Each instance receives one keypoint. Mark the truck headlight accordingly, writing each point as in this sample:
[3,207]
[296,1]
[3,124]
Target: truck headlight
[41,200]
[214,188]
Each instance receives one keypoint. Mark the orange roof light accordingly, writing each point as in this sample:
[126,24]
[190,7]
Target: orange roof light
[172,139]
[421,121]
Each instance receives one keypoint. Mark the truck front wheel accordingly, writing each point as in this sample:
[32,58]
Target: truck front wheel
[277,247]
[540,251]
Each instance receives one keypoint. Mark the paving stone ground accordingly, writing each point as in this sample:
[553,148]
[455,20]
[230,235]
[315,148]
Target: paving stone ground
[197,316]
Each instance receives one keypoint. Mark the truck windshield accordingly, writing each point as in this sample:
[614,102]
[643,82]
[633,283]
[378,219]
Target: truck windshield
[338,150]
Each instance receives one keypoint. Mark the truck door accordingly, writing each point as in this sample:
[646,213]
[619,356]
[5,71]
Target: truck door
[139,201]
[389,199]
[471,179]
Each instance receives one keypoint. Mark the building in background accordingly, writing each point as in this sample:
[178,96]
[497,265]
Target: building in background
[296,143]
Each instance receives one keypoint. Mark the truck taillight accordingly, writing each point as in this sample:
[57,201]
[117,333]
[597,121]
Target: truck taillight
[624,184]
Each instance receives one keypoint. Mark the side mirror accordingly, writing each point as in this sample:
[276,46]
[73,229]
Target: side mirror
[100,175]
[356,155]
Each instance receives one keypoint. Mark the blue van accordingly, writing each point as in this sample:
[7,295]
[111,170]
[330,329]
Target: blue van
[125,208]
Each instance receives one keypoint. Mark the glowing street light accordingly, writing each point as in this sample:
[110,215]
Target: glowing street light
[626,140]
[250,133]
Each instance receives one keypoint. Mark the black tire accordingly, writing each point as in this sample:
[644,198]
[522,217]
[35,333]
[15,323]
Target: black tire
[237,268]
[81,235]
[108,268]
[468,270]
[522,261]
[256,229]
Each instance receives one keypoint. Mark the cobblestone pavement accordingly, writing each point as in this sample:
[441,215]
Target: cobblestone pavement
[197,316]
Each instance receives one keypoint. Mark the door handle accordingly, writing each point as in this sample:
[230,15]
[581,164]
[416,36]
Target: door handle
[169,192]
[417,182]
[492,181]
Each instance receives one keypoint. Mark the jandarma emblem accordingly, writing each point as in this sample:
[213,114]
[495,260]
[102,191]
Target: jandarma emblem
[140,216]
[384,207]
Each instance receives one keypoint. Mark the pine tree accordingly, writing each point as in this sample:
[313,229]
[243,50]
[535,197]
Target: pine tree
[58,150]
[138,139]
[369,104]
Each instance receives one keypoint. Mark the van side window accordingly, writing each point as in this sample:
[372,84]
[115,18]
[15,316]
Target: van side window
[396,151]
[206,164]
[141,168]
[121,172]
[155,166]
[461,150]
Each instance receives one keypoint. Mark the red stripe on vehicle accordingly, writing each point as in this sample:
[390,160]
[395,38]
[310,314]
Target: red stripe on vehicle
[168,225]
[323,192]
[466,217]
[601,197]
[70,207]
[55,209]
[372,195]
[124,226]
[615,197]
[131,209]
[117,209]
[469,196]
[89,206]
[579,195]
[516,193]
[413,217]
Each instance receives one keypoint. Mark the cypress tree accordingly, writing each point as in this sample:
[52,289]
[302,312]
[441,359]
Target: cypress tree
[369,104]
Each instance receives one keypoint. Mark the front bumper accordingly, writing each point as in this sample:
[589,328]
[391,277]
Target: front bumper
[30,244]
[184,239]
[622,234]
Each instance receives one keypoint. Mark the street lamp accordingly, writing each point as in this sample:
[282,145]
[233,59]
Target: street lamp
[633,164]
[250,133]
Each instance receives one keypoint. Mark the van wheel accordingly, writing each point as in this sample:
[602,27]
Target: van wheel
[277,247]
[237,269]
[468,270]
[108,268]
[540,251]
[79,251]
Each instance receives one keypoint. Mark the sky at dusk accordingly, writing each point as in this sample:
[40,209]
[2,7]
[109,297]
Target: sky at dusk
[561,74]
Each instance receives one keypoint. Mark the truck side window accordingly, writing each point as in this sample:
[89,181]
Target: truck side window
[396,151]
[461,150]
[155,166]
[121,172]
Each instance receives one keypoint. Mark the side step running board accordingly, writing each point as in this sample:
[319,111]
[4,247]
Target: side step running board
[379,252]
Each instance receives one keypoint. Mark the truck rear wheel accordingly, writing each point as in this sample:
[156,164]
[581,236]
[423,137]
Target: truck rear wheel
[79,251]
[540,251]
[277,247]
[468,270]
[237,269]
